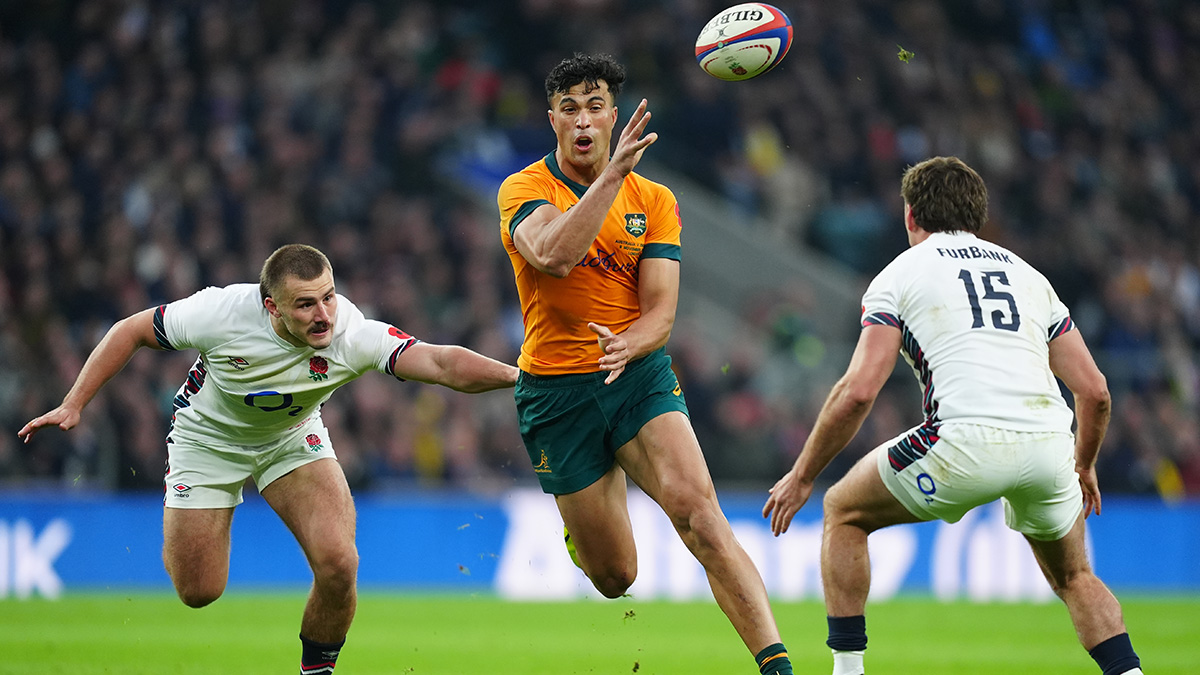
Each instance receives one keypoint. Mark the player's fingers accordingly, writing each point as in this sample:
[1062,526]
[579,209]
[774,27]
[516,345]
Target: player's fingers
[769,506]
[602,331]
[782,519]
[612,377]
[637,115]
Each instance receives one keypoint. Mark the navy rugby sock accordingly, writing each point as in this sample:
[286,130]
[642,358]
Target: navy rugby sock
[318,658]
[847,633]
[1115,655]
[773,660]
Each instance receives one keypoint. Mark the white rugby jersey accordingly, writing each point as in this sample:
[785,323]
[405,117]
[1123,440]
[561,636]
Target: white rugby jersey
[249,386]
[976,324]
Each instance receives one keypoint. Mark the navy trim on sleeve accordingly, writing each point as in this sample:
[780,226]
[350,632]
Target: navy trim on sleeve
[160,330]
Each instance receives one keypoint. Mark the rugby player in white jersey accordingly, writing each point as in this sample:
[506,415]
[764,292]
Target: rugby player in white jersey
[985,335]
[270,355]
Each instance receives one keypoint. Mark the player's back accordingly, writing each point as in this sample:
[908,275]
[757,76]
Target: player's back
[976,323]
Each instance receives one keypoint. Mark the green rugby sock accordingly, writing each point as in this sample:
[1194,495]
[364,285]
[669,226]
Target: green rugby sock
[773,660]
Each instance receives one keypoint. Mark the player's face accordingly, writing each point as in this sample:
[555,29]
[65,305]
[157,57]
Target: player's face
[305,311]
[583,121]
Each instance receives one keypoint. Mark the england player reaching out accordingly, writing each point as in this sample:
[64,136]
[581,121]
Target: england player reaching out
[270,355]
[985,335]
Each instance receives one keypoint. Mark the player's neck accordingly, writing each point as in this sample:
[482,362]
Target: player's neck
[583,174]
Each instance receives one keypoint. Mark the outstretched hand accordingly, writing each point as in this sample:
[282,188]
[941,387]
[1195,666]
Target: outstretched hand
[631,144]
[787,496]
[63,418]
[1091,491]
[616,351]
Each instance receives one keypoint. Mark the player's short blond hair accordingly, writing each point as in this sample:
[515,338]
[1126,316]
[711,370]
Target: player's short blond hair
[945,195]
[292,260]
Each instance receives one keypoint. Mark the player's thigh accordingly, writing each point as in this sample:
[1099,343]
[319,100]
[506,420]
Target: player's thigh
[314,501]
[664,459]
[196,544]
[598,519]
[860,498]
[1062,559]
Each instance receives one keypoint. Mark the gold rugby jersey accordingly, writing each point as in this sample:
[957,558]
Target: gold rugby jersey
[603,287]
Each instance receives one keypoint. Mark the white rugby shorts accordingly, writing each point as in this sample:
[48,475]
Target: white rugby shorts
[943,473]
[211,475]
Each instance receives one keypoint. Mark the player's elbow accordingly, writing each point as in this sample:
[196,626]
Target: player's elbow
[558,269]
[856,395]
[1094,394]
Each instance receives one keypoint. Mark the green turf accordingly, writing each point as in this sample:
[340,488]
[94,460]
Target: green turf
[133,634]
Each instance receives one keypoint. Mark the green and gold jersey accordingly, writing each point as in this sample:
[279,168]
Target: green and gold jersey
[603,287]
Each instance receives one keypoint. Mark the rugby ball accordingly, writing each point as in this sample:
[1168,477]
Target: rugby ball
[744,41]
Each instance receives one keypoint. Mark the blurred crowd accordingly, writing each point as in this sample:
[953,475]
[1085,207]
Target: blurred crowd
[149,149]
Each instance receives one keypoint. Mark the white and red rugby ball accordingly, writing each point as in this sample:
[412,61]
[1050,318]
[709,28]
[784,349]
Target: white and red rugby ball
[744,41]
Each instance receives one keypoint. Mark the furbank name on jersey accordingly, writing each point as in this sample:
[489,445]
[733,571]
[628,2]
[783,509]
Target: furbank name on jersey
[974,252]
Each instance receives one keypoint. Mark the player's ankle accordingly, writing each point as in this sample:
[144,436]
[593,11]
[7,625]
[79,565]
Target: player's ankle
[848,662]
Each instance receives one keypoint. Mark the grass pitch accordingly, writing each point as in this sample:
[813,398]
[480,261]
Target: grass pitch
[135,633]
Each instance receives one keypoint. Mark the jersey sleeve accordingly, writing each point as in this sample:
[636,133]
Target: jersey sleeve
[194,321]
[372,345]
[665,227]
[881,302]
[1060,317]
[520,194]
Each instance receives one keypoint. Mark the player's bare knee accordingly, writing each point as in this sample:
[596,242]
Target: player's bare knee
[833,505]
[614,581]
[336,567]
[199,595]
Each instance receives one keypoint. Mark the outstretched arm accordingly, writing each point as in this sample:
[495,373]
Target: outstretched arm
[108,358]
[840,419]
[1073,364]
[455,367]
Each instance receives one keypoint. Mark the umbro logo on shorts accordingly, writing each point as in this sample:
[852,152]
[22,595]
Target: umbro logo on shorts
[181,490]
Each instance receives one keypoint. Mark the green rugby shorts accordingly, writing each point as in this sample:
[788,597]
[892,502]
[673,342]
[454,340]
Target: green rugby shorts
[574,424]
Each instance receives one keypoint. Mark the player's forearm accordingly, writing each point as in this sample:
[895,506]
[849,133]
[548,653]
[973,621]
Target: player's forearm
[840,419]
[1092,415]
[649,332]
[108,358]
[471,372]
[568,237]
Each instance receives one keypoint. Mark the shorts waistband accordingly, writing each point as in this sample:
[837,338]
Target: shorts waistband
[579,379]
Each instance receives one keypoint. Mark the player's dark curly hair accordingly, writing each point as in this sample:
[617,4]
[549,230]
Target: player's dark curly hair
[293,260]
[586,68]
[945,195]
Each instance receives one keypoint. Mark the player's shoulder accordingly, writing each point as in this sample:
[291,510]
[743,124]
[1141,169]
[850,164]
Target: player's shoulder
[233,300]
[647,186]
[538,171]
[648,192]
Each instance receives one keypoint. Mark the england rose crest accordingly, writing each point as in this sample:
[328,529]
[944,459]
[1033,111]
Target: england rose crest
[314,442]
[317,369]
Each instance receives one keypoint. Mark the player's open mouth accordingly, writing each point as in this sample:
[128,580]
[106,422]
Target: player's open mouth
[583,143]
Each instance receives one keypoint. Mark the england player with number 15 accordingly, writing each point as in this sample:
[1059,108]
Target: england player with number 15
[986,335]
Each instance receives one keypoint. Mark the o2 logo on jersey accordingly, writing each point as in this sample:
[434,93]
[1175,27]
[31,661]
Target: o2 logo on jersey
[272,401]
